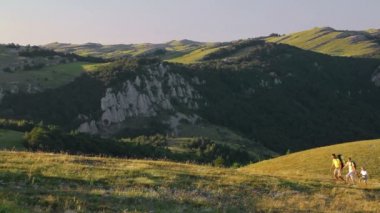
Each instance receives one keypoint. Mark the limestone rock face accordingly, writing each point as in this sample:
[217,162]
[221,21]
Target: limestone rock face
[1,94]
[89,127]
[376,77]
[147,95]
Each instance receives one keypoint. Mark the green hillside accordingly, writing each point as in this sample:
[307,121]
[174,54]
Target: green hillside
[334,42]
[11,140]
[38,182]
[181,51]
[31,69]
[280,96]
[195,55]
[39,79]
[315,163]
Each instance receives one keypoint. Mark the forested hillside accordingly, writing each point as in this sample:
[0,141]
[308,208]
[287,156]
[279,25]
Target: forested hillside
[274,94]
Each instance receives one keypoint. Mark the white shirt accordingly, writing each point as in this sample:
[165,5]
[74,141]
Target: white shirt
[363,172]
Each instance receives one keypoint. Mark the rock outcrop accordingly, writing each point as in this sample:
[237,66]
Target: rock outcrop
[89,127]
[376,77]
[147,95]
[1,94]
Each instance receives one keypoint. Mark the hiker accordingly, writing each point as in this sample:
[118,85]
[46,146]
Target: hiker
[337,166]
[364,175]
[351,170]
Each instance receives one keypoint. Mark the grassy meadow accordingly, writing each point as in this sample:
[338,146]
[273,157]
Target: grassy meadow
[45,78]
[313,164]
[11,140]
[329,41]
[42,182]
[194,56]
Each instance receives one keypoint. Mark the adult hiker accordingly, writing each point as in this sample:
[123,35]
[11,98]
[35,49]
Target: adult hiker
[337,166]
[351,170]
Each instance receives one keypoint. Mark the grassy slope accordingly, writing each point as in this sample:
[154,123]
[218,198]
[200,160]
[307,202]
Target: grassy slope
[329,41]
[323,40]
[175,49]
[47,77]
[183,51]
[11,140]
[224,136]
[315,163]
[194,56]
[52,182]
[7,56]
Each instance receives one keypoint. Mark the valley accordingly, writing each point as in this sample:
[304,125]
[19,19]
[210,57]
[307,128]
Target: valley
[187,126]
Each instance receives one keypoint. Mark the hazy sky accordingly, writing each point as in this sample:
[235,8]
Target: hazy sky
[136,21]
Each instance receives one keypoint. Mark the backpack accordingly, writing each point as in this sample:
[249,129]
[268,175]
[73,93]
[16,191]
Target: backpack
[341,161]
[353,164]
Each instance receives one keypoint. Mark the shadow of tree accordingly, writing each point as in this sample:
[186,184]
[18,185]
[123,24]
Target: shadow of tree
[56,194]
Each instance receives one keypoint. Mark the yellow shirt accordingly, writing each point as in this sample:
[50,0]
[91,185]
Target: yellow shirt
[336,163]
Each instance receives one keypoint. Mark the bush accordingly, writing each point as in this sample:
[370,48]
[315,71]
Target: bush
[219,161]
[16,125]
[208,151]
[54,139]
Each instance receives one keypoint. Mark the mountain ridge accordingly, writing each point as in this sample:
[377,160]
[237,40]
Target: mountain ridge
[261,90]
[327,40]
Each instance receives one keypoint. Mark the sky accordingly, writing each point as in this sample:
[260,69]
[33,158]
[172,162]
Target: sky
[137,21]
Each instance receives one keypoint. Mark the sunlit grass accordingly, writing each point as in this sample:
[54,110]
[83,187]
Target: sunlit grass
[329,42]
[315,163]
[195,55]
[58,182]
[93,67]
[47,77]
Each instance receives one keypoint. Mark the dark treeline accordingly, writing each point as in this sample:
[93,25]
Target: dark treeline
[17,125]
[200,150]
[35,51]
[54,139]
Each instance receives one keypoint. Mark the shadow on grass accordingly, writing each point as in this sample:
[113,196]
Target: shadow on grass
[54,194]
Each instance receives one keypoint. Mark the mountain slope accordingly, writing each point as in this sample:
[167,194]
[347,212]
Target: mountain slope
[334,42]
[42,182]
[31,69]
[277,95]
[174,50]
[11,140]
[315,163]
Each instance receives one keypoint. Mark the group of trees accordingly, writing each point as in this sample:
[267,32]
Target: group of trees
[35,51]
[16,125]
[54,139]
[207,151]
[200,150]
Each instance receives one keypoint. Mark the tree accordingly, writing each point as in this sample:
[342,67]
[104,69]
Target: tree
[219,161]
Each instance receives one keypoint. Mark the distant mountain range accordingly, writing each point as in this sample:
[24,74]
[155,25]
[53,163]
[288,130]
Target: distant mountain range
[323,40]
[173,50]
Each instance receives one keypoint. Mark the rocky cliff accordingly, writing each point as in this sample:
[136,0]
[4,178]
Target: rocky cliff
[150,94]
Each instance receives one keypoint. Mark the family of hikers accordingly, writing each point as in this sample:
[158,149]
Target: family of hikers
[338,165]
